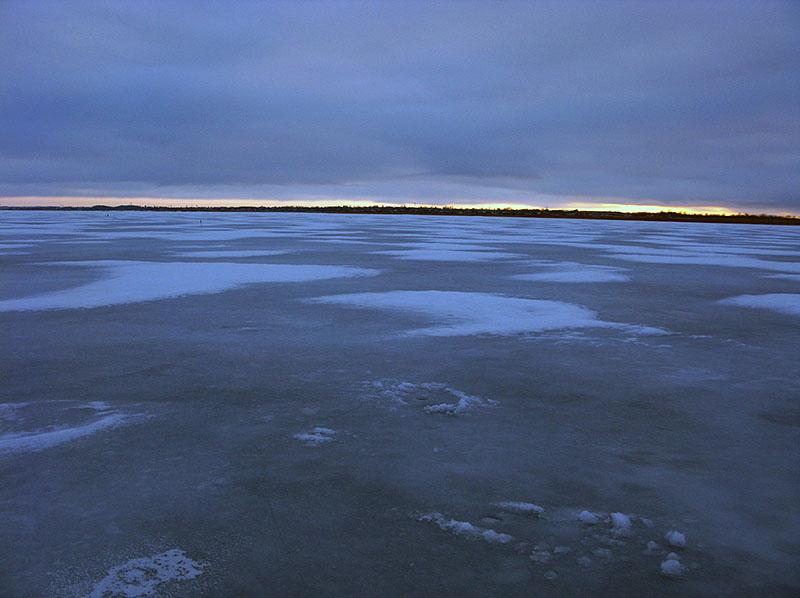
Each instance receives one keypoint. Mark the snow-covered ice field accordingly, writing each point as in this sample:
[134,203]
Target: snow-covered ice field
[296,405]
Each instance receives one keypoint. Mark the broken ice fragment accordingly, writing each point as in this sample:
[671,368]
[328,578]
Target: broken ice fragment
[672,568]
[621,524]
[676,539]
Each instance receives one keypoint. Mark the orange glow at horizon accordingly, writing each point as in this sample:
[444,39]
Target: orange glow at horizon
[585,205]
[650,208]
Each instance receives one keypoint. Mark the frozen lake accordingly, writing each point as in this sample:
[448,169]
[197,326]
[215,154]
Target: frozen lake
[297,404]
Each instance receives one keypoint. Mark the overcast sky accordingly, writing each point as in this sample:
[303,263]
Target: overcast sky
[545,103]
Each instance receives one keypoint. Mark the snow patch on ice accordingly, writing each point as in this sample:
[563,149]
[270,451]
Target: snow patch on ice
[399,393]
[316,436]
[134,282]
[792,277]
[448,255]
[466,529]
[787,303]
[520,508]
[44,439]
[141,577]
[694,259]
[461,313]
[464,404]
[229,253]
[571,272]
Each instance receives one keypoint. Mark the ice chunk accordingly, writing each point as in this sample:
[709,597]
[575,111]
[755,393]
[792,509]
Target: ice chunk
[620,524]
[675,538]
[672,568]
[141,577]
[588,518]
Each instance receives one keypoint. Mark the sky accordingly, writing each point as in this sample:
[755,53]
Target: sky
[691,105]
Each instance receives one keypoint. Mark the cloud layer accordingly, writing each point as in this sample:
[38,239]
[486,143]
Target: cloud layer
[674,102]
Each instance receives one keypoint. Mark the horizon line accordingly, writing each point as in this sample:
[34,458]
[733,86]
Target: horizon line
[55,202]
[441,210]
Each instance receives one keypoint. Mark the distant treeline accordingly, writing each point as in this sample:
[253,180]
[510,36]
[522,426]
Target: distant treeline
[448,211]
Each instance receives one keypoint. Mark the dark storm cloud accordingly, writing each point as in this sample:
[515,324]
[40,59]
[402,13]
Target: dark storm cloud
[678,102]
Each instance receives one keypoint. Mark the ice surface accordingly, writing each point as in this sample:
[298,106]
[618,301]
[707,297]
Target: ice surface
[596,417]
[448,255]
[787,303]
[462,313]
[588,518]
[142,576]
[464,403]
[134,282]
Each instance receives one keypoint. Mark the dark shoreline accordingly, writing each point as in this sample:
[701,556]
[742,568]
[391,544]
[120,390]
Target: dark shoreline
[444,211]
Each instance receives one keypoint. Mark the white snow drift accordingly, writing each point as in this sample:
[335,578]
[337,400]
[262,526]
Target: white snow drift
[787,303]
[459,313]
[135,282]
[571,272]
[142,576]
[44,439]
